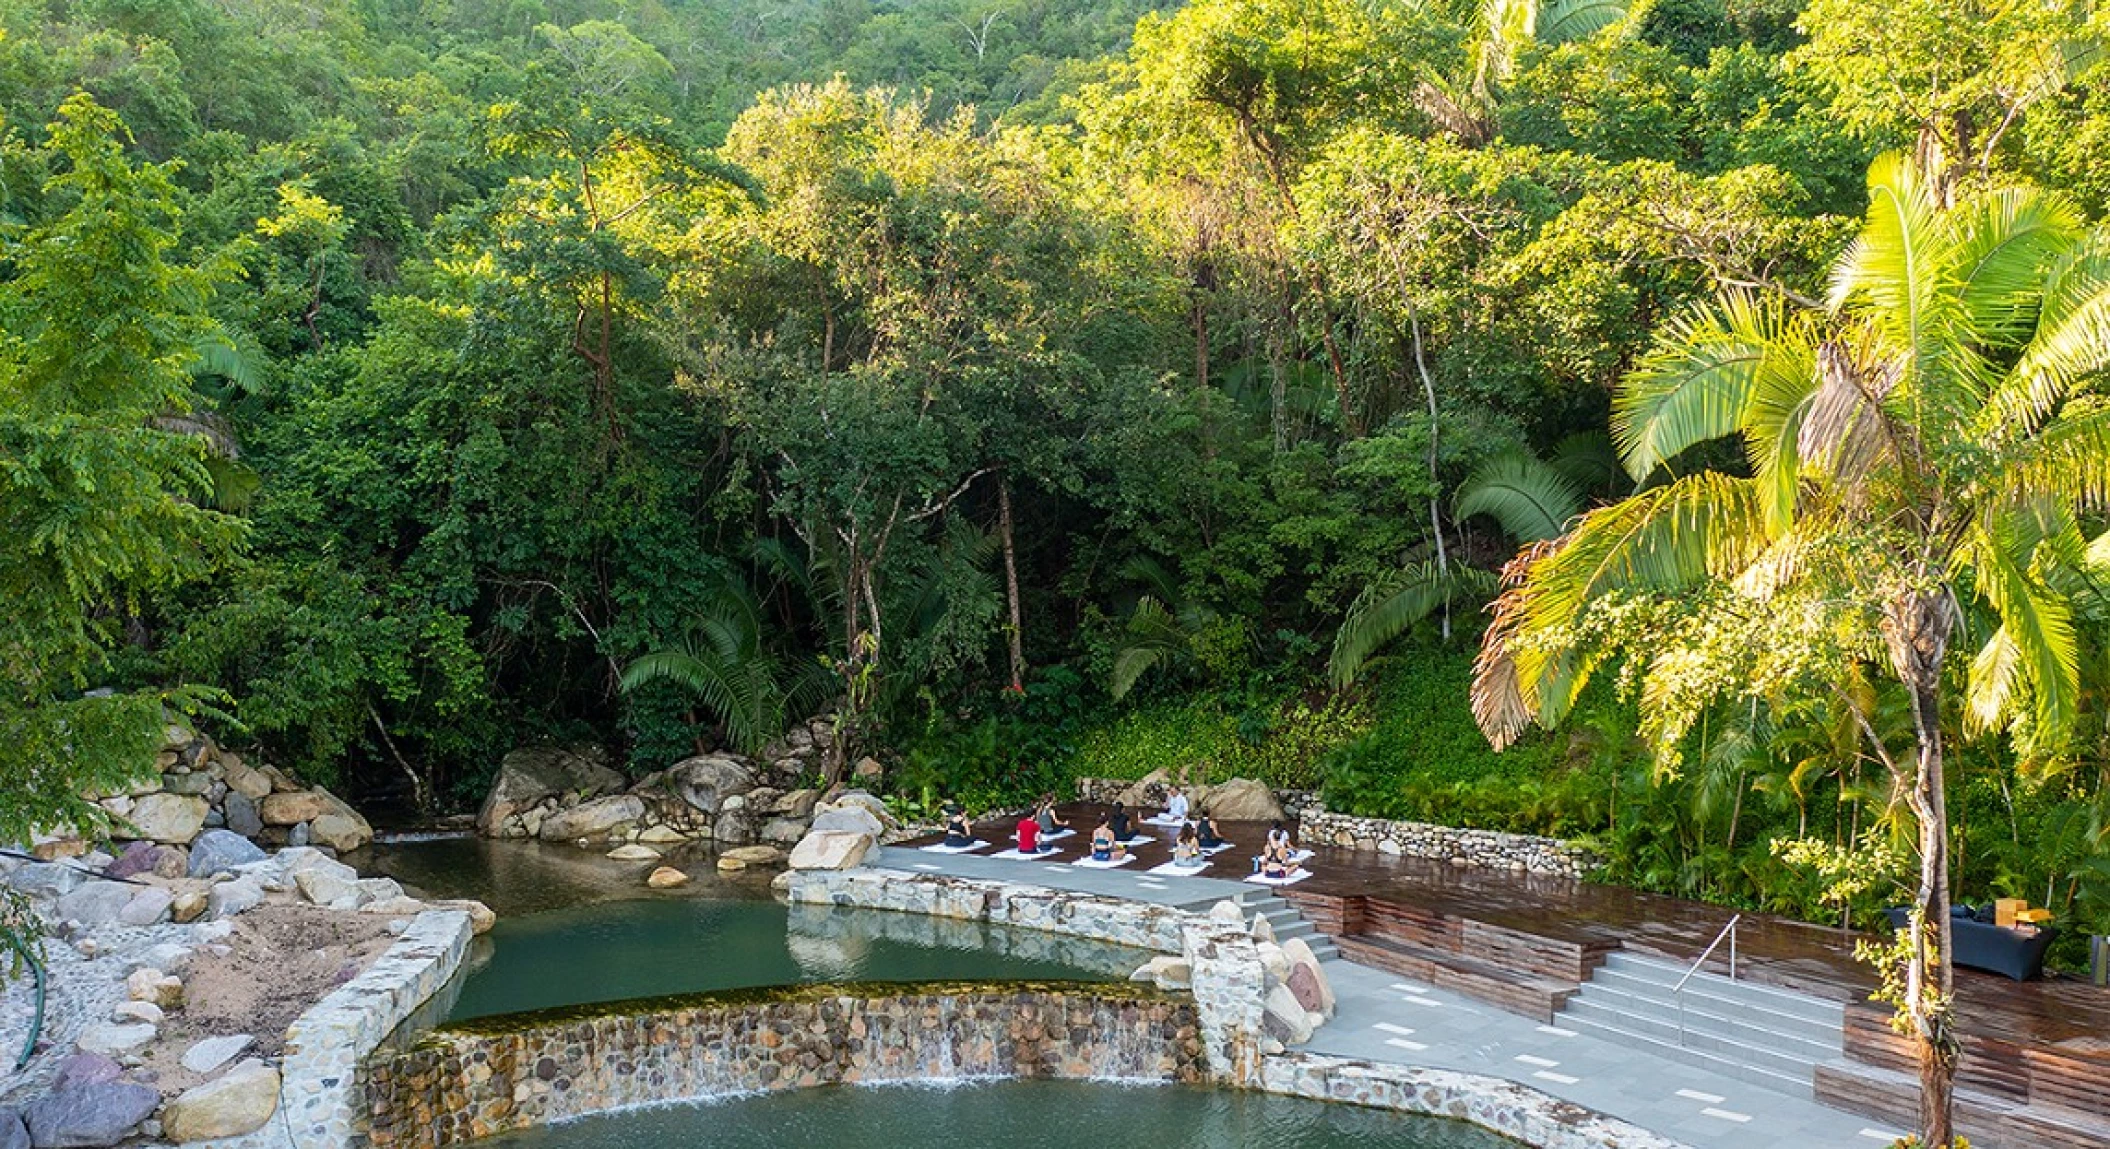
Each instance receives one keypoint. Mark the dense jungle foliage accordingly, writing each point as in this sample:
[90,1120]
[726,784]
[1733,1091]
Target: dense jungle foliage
[1041,384]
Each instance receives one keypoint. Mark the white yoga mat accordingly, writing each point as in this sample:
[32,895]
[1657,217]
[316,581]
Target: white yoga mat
[1034,857]
[1164,820]
[1293,879]
[1212,851]
[1138,840]
[1177,870]
[1088,863]
[969,848]
[1052,835]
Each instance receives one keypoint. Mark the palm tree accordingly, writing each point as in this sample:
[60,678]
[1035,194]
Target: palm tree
[724,662]
[1531,498]
[1920,446]
[1499,32]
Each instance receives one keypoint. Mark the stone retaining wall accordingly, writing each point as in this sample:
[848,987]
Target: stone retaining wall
[1504,1106]
[1488,849]
[319,1100]
[477,1079]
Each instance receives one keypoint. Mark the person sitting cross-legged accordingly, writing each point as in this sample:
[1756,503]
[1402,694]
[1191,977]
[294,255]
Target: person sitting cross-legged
[1187,851]
[1029,836]
[1106,847]
[958,832]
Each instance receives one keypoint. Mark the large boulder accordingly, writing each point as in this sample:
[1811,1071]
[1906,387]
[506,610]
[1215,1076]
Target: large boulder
[89,1115]
[294,807]
[47,879]
[594,819]
[1149,791]
[1283,1019]
[149,906]
[1307,978]
[706,781]
[848,820]
[237,1103]
[236,897]
[330,888]
[866,802]
[527,776]
[169,818]
[135,859]
[341,830]
[830,850]
[1242,800]
[97,903]
[242,814]
[252,784]
[217,850]
[113,1039]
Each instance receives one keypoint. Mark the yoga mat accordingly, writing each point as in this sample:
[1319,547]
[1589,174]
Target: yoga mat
[1138,840]
[1052,835]
[1292,880]
[1087,863]
[1212,851]
[1176,870]
[1016,856]
[1164,820]
[969,848]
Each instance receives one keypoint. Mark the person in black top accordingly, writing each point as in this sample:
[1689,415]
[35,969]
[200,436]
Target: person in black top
[957,830]
[1206,831]
[1118,823]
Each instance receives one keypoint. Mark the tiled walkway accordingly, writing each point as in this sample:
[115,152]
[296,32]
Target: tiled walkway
[1385,1018]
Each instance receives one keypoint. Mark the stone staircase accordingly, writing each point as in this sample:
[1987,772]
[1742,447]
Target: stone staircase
[1288,922]
[1770,1037]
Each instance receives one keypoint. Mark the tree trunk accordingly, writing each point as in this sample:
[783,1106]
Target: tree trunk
[1917,632]
[1428,388]
[1017,629]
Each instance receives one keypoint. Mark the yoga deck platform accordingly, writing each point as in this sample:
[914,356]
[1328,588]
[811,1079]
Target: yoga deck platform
[2036,1060]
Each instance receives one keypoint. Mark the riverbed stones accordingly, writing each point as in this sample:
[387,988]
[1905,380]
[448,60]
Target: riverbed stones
[342,830]
[213,1052]
[218,850]
[831,850]
[634,853]
[598,818]
[150,984]
[88,1115]
[237,1103]
[114,1039]
[1242,800]
[756,855]
[530,775]
[666,878]
[169,818]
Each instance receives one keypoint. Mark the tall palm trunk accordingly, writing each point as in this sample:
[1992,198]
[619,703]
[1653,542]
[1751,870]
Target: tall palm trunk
[1918,631]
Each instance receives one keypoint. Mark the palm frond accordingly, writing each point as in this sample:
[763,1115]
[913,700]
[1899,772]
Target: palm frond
[2005,240]
[1590,460]
[223,356]
[2035,652]
[2072,341]
[1531,499]
[1560,21]
[1390,605]
[1155,638]
[1694,384]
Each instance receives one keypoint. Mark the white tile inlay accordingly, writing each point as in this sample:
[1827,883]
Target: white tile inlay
[1696,1095]
[1403,1043]
[1725,1115]
[1410,999]
[1388,1027]
[1556,1031]
[1542,1062]
[1403,987]
[925,866]
[1556,1078]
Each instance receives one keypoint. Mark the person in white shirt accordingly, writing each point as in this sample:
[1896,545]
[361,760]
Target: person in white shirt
[1176,806]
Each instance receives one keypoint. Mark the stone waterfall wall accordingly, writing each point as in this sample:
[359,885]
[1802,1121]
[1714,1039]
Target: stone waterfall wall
[524,1070]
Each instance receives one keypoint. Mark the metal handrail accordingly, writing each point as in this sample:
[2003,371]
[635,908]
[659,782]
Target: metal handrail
[1677,991]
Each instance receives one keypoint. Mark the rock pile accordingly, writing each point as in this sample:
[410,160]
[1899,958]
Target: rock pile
[843,831]
[196,787]
[574,797]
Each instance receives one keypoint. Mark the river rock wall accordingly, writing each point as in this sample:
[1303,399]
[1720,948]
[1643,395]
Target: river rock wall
[1458,846]
[525,1070]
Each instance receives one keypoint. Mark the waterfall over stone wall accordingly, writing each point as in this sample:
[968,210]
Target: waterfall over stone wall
[494,1075]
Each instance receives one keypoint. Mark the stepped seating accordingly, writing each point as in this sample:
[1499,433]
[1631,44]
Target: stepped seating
[1756,1033]
[2008,1092]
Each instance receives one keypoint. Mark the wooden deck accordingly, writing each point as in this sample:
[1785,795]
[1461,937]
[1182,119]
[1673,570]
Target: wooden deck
[2036,1054]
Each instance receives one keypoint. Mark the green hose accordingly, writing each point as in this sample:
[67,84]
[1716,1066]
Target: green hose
[36,1021]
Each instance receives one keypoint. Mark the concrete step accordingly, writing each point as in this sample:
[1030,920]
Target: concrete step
[1824,1039]
[1756,1070]
[1753,1046]
[1653,977]
[1534,997]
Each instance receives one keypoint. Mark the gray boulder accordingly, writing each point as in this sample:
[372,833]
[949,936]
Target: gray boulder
[136,859]
[96,903]
[217,850]
[147,907]
[848,820]
[47,879]
[171,818]
[213,1052]
[13,1134]
[242,815]
[236,897]
[527,776]
[239,1102]
[705,782]
[830,850]
[783,831]
[89,1116]
[595,819]
[85,1069]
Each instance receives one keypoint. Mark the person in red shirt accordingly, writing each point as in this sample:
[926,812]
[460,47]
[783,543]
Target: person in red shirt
[1029,834]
